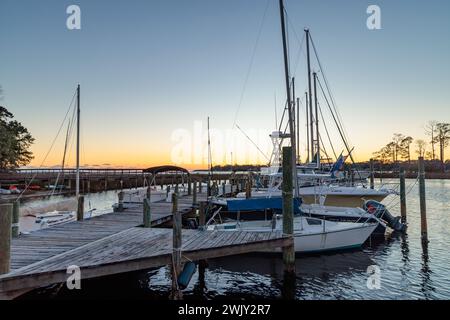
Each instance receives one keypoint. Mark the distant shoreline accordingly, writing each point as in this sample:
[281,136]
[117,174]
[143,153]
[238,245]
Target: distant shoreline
[413,175]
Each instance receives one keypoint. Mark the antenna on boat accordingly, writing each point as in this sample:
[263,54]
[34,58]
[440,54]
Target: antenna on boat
[77,188]
[288,95]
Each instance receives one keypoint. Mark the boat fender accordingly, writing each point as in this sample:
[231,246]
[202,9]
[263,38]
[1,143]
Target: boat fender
[186,275]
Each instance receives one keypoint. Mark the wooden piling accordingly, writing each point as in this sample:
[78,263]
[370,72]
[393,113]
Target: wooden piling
[352,177]
[5,237]
[174,202]
[15,219]
[248,187]
[80,209]
[202,215]
[189,187]
[402,194]
[224,189]
[147,218]
[120,206]
[194,194]
[200,187]
[423,207]
[288,210]
[176,254]
[148,194]
[372,175]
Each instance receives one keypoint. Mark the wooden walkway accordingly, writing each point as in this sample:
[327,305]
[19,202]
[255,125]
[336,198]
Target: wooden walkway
[114,243]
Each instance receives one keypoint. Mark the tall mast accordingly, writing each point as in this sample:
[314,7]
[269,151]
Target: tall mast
[307,128]
[288,95]
[294,133]
[77,188]
[298,130]
[317,121]
[209,156]
[310,94]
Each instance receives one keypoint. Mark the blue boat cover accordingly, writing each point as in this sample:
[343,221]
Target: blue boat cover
[260,204]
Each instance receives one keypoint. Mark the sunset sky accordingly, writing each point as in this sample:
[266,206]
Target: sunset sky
[151,72]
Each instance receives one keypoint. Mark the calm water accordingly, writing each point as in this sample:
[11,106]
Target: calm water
[407,270]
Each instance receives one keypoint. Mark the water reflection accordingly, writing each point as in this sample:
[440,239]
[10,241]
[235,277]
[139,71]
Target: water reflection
[408,269]
[427,287]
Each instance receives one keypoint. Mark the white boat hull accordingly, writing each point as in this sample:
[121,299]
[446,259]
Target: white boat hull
[312,234]
[334,240]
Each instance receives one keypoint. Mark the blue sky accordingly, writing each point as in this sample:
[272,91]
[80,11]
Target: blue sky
[149,67]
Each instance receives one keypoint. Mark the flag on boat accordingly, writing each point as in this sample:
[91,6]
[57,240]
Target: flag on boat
[338,166]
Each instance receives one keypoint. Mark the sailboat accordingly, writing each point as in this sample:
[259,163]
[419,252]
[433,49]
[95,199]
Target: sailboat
[310,234]
[57,217]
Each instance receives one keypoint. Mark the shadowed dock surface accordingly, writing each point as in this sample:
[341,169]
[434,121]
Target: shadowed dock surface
[114,243]
[45,243]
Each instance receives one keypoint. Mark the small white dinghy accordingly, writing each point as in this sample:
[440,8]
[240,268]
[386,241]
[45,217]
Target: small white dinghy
[54,218]
[310,234]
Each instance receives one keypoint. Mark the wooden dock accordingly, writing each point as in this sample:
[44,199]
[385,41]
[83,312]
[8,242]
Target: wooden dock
[115,243]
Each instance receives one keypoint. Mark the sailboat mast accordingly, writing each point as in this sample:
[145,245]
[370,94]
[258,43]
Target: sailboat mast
[77,188]
[317,122]
[298,130]
[209,157]
[288,96]
[294,121]
[307,127]
[310,94]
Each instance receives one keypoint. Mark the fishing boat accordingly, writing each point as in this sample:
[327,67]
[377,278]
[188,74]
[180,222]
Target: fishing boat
[260,208]
[311,235]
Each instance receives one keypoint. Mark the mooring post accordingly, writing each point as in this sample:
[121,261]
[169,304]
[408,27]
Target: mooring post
[189,187]
[148,194]
[288,210]
[147,219]
[248,187]
[208,189]
[80,210]
[120,207]
[174,202]
[176,254]
[167,192]
[402,194]
[372,176]
[5,237]
[423,206]
[352,175]
[15,219]
[200,187]
[176,188]
[224,189]
[194,194]
[202,215]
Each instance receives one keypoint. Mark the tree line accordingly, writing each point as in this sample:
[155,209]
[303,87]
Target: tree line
[15,141]
[401,147]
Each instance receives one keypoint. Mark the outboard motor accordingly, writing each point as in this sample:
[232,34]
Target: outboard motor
[380,211]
